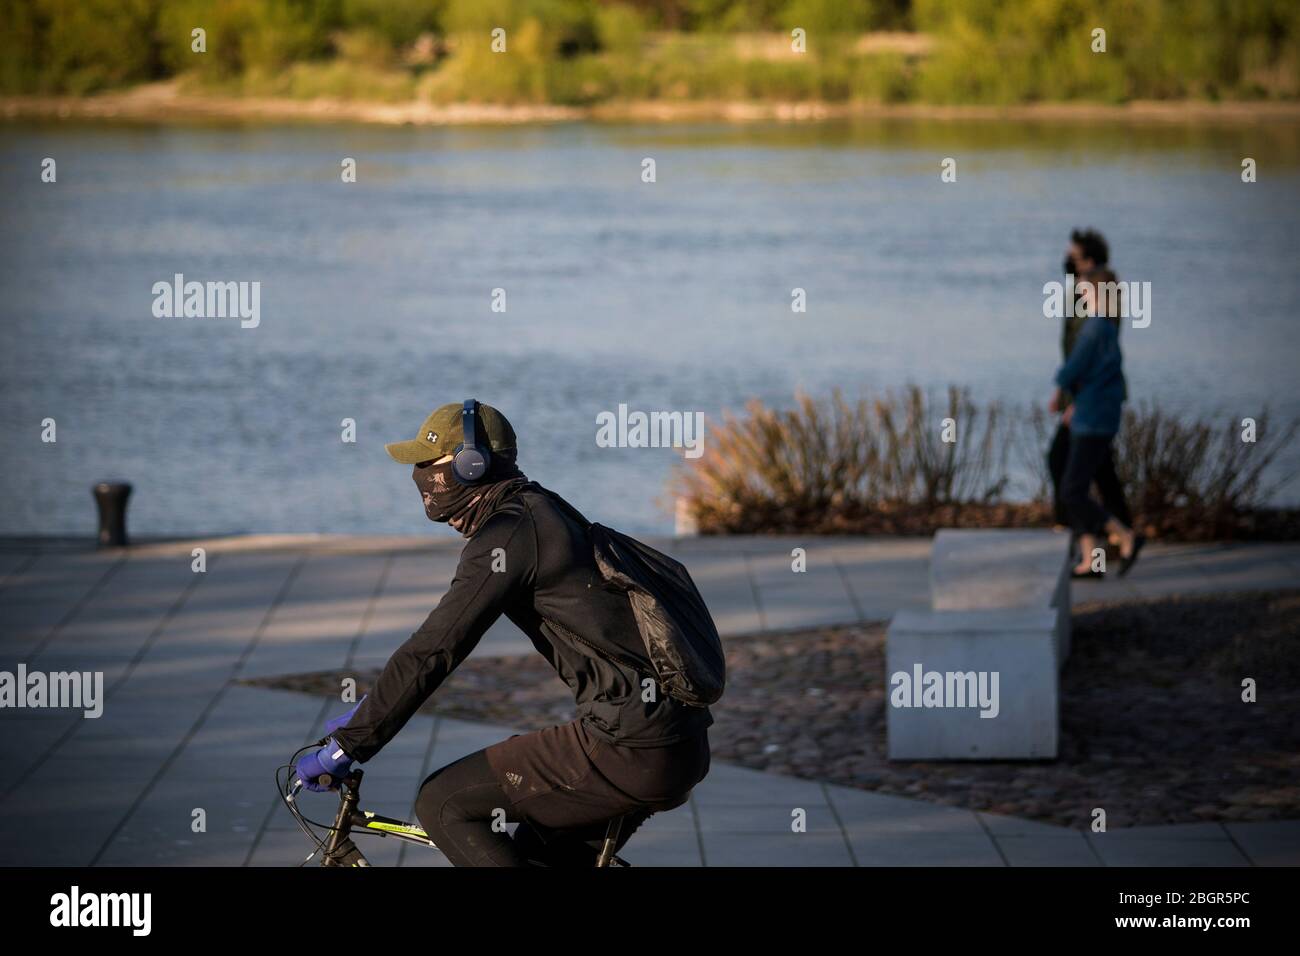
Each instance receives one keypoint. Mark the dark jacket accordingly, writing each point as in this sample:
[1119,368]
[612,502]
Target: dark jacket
[545,580]
[1074,324]
[1094,374]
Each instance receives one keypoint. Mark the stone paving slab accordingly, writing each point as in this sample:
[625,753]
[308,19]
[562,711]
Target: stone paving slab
[876,814]
[653,850]
[997,568]
[773,818]
[729,786]
[671,824]
[123,789]
[1268,843]
[872,848]
[13,562]
[814,848]
[1153,851]
[1071,849]
[1002,826]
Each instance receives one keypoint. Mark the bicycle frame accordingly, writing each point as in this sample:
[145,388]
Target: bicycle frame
[338,849]
[349,815]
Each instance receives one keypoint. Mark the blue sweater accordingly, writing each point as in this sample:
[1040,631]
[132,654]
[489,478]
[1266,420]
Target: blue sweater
[1094,373]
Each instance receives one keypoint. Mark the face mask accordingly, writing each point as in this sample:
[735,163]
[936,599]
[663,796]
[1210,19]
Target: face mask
[444,497]
[466,507]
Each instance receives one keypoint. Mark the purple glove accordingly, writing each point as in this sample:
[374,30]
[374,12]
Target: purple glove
[341,721]
[324,769]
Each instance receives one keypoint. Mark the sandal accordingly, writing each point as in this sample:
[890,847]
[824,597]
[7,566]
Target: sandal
[1126,563]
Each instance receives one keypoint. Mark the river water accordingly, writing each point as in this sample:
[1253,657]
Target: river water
[376,296]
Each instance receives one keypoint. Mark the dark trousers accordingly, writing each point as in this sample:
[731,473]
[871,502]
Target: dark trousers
[1108,483]
[567,789]
[463,808]
[1087,454]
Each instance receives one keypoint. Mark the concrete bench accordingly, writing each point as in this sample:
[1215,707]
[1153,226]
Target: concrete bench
[1014,645]
[977,569]
[998,631]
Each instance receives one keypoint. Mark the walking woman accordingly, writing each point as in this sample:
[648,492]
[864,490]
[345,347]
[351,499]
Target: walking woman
[1094,374]
[1086,260]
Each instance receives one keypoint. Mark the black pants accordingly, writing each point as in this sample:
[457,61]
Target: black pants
[575,785]
[1108,483]
[1087,454]
[463,809]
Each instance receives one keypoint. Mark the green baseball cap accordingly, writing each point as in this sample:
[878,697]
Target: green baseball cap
[442,432]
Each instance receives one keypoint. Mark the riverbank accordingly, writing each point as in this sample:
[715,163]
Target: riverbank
[168,102]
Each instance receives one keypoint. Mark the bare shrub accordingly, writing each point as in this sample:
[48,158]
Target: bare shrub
[881,465]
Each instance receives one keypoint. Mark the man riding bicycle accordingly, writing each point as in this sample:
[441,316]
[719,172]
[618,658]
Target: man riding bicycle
[631,752]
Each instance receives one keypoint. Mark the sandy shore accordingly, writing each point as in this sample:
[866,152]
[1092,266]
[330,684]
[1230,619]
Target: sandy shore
[165,102]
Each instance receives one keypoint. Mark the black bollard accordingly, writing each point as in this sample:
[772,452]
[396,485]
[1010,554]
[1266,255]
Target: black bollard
[110,497]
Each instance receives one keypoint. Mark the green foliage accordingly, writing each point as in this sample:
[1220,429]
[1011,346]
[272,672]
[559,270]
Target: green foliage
[1002,51]
[246,36]
[78,46]
[821,17]
[729,16]
[364,47]
[339,80]
[22,37]
[620,30]
[399,22]
[553,28]
[582,51]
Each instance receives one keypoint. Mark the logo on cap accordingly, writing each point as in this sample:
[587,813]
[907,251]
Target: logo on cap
[431,438]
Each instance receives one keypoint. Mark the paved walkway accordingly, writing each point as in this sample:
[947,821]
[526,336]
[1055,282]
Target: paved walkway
[178,736]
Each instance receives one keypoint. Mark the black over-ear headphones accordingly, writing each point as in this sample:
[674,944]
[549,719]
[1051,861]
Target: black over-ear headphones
[470,462]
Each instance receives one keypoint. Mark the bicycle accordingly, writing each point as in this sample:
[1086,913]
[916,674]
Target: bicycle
[337,847]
